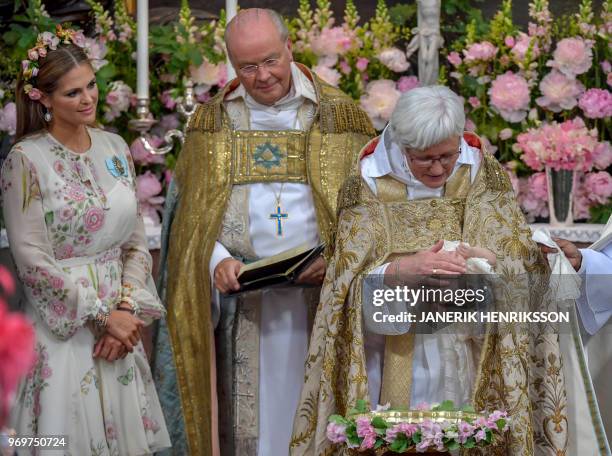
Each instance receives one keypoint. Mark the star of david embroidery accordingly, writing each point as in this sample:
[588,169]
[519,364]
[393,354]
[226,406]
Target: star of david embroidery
[268,155]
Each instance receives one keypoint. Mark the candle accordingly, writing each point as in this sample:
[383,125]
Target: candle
[231,6]
[142,53]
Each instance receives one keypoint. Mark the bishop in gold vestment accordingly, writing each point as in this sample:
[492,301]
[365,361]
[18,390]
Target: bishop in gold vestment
[251,151]
[411,188]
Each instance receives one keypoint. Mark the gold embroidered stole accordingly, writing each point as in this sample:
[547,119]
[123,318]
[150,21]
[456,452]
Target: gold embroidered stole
[443,219]
[269,156]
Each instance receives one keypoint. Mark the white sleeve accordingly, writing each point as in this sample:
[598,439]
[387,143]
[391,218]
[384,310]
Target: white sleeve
[595,301]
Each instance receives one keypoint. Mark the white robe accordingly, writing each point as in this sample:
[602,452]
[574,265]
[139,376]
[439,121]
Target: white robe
[284,331]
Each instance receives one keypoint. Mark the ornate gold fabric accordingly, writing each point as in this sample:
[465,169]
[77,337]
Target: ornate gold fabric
[446,223]
[204,177]
[519,371]
[269,156]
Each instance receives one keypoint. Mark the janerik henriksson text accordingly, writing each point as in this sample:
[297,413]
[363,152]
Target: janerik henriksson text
[472,317]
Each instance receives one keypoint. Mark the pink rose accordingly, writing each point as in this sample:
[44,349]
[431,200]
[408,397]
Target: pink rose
[406,83]
[329,75]
[454,58]
[93,219]
[474,102]
[598,186]
[596,103]
[559,92]
[147,186]
[606,66]
[573,56]
[510,96]
[379,101]
[602,155]
[336,433]
[394,59]
[33,54]
[479,52]
[362,63]
[142,156]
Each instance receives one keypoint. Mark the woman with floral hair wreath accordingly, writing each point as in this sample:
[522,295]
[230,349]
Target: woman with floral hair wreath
[78,242]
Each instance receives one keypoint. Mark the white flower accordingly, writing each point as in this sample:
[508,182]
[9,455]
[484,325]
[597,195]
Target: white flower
[394,59]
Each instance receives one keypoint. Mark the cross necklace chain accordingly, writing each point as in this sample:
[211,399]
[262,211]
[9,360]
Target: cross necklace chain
[279,215]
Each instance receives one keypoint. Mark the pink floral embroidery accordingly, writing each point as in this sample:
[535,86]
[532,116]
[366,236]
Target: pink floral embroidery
[94,219]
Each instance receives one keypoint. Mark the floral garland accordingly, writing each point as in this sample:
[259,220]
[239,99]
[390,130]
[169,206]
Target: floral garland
[363,431]
[46,41]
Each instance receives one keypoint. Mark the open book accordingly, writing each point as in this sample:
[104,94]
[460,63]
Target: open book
[282,268]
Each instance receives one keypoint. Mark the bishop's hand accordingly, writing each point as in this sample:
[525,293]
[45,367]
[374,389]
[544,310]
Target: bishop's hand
[226,275]
[313,274]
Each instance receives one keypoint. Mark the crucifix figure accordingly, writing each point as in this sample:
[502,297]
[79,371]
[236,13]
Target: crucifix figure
[278,215]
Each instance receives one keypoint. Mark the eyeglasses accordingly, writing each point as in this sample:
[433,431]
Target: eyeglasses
[427,162]
[251,70]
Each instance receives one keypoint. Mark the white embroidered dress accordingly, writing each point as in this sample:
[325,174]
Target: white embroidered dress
[78,242]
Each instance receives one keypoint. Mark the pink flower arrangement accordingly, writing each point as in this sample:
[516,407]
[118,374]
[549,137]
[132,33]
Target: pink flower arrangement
[479,52]
[332,41]
[569,145]
[379,101]
[572,56]
[363,431]
[510,97]
[559,92]
[394,59]
[596,103]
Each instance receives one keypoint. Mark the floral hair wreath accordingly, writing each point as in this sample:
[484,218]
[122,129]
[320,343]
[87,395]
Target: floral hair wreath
[46,41]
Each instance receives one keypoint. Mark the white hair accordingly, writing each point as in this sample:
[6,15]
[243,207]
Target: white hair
[426,116]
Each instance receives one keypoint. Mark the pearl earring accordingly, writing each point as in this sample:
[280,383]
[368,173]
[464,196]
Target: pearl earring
[47,116]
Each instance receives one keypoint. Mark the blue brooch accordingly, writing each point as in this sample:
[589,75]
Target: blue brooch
[267,155]
[117,166]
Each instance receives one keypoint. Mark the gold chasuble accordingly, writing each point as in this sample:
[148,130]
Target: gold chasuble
[213,159]
[519,370]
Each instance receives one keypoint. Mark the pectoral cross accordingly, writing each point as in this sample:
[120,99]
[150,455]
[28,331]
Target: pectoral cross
[279,216]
